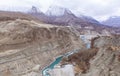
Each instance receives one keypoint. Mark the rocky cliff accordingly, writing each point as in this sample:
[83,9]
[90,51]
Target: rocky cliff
[102,61]
[25,44]
[107,60]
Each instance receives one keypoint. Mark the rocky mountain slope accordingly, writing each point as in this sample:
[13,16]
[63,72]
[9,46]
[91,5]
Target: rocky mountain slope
[103,59]
[107,60]
[25,44]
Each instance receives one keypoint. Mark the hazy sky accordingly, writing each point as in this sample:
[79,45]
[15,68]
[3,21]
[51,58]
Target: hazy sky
[99,9]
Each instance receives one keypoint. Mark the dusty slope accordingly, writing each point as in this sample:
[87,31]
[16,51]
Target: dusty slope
[25,44]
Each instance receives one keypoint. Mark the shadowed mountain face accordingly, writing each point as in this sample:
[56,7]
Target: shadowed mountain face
[112,21]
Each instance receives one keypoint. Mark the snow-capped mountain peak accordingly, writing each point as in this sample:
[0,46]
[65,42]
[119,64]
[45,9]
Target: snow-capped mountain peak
[57,11]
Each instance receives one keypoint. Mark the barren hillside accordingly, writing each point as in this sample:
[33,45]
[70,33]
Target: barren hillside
[25,44]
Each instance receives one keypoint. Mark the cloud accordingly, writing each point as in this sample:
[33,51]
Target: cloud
[99,9]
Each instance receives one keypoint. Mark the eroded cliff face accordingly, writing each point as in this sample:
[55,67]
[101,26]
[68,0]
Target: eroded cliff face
[25,44]
[107,60]
[102,59]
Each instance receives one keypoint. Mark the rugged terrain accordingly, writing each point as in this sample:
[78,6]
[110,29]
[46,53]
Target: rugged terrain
[29,44]
[25,44]
[101,60]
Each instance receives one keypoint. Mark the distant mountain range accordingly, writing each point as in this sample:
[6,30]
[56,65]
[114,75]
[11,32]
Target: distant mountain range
[112,21]
[61,16]
[56,15]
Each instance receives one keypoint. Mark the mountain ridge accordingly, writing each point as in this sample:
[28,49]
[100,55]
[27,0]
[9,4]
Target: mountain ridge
[112,21]
[82,23]
[55,12]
